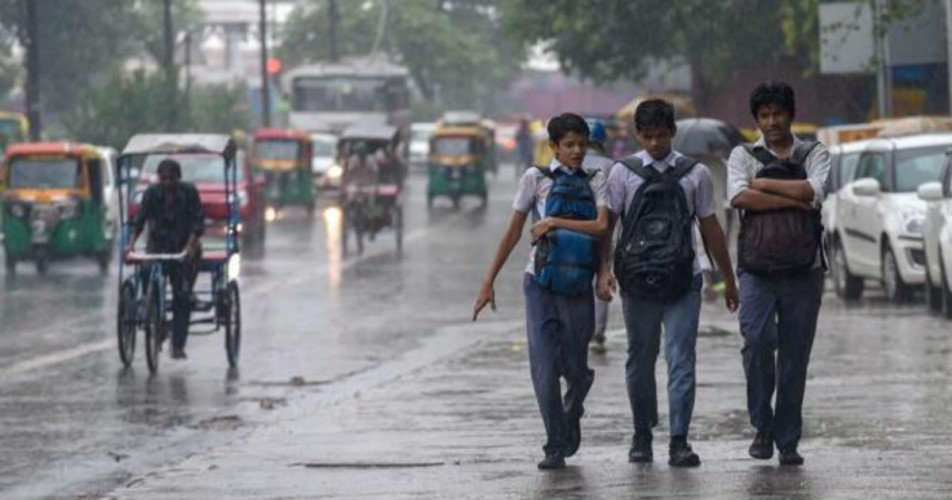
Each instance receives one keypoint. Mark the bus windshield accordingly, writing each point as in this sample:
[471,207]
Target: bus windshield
[342,94]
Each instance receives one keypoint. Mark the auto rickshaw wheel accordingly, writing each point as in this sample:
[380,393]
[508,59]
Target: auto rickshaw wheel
[126,323]
[154,326]
[398,226]
[103,258]
[10,263]
[41,258]
[232,324]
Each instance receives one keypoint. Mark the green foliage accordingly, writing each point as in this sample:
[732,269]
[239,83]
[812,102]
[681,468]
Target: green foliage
[124,106]
[608,40]
[454,50]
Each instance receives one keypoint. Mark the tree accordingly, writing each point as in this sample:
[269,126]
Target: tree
[607,40]
[456,51]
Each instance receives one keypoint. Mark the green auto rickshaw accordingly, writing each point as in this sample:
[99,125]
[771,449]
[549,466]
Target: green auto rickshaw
[284,158]
[57,202]
[457,164]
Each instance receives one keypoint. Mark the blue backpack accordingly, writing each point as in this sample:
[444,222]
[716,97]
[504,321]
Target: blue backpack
[566,260]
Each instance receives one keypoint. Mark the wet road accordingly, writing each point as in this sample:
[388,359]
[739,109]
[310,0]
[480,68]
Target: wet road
[361,377]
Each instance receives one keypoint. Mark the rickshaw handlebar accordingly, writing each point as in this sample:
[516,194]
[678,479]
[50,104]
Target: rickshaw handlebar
[152,257]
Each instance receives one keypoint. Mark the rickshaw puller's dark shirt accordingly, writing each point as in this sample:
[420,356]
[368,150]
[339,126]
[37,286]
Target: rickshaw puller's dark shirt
[173,216]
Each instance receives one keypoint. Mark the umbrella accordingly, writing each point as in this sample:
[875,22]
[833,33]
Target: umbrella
[706,137]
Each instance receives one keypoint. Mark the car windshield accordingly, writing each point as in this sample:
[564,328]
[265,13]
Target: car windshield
[453,146]
[324,148]
[196,168]
[420,135]
[848,164]
[276,149]
[44,173]
[915,167]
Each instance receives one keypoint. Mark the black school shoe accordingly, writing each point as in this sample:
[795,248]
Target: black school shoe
[680,454]
[552,461]
[790,457]
[762,447]
[573,436]
[640,451]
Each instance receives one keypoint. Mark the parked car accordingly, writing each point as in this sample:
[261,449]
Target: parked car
[327,173]
[937,240]
[879,217]
[420,143]
[845,157]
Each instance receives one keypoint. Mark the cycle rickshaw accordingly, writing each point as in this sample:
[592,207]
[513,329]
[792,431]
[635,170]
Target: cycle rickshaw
[367,211]
[144,290]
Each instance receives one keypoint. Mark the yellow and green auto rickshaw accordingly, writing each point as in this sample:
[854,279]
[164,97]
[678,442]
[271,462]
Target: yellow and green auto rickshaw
[14,127]
[284,157]
[457,164]
[57,203]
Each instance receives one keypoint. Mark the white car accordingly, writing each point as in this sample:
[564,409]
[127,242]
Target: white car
[879,216]
[420,143]
[327,173]
[937,239]
[845,157]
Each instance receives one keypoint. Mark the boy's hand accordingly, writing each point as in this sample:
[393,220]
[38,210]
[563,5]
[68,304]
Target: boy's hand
[731,297]
[540,228]
[487,295]
[605,286]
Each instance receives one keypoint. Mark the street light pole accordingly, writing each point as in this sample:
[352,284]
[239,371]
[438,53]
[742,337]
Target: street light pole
[948,40]
[265,91]
[32,71]
[882,64]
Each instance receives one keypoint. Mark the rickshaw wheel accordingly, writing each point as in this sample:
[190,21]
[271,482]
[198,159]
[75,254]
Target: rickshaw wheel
[42,261]
[10,263]
[154,327]
[102,258]
[233,324]
[126,323]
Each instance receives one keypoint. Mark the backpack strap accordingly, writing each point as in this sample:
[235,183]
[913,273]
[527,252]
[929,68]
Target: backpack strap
[683,165]
[637,167]
[545,171]
[760,153]
[803,151]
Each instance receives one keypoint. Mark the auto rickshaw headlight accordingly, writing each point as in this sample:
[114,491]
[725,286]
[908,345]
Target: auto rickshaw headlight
[17,210]
[335,172]
[68,211]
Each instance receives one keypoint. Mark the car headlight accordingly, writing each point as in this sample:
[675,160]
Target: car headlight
[335,172]
[912,221]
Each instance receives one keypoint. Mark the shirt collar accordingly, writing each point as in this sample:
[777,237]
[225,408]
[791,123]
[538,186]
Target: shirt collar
[557,165]
[762,143]
[668,161]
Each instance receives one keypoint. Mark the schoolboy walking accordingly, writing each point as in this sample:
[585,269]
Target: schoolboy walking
[569,205]
[778,185]
[658,194]
[596,159]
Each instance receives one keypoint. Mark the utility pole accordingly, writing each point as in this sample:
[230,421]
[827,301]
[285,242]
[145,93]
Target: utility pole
[265,90]
[948,40]
[882,58]
[32,70]
[168,61]
[333,17]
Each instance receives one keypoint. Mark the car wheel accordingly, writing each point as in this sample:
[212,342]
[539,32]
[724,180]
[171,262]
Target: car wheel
[933,293]
[896,290]
[848,287]
[946,302]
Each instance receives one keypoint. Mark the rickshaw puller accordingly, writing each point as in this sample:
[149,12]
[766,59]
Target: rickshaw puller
[176,220]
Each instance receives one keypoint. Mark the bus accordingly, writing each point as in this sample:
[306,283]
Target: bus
[330,97]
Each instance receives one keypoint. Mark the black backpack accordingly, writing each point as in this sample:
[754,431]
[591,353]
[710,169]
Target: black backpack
[780,241]
[655,256]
